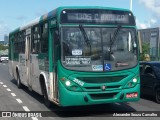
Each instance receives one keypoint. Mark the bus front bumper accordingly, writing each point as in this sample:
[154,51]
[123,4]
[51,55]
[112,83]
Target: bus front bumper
[71,98]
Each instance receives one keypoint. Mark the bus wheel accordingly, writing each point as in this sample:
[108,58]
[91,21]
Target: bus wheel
[158,95]
[19,84]
[47,102]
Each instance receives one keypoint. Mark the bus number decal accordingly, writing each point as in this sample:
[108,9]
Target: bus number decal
[78,82]
[76,52]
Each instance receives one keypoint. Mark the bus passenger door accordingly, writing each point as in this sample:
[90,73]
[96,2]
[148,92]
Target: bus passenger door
[54,38]
[27,60]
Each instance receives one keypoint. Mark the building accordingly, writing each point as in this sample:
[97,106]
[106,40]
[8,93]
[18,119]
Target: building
[2,42]
[6,39]
[152,37]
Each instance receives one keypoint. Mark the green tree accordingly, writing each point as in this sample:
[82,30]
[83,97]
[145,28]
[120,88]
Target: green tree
[2,47]
[145,50]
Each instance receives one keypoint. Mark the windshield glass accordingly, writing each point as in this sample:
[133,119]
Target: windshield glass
[94,49]
[156,67]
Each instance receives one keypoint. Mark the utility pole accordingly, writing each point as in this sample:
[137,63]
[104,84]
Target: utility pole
[131,5]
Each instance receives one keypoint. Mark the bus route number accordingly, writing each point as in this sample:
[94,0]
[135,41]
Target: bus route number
[78,82]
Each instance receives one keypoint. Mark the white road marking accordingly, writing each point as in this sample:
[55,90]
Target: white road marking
[4,64]
[8,89]
[13,94]
[25,108]
[4,85]
[34,118]
[19,101]
[117,103]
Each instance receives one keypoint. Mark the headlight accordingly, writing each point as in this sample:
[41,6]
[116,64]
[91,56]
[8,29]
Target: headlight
[70,85]
[133,82]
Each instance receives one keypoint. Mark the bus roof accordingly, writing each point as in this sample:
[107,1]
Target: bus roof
[58,10]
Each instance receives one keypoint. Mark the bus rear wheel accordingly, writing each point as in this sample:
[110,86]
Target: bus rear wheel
[47,102]
[19,84]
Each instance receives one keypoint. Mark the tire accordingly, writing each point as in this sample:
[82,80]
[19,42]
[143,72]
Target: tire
[47,102]
[19,84]
[157,95]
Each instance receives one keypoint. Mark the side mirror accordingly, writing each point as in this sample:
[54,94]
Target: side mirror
[151,75]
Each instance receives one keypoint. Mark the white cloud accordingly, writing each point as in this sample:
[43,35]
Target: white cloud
[141,25]
[153,5]
[153,21]
[147,24]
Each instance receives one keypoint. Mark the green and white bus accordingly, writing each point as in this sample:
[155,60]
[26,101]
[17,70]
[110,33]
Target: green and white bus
[77,56]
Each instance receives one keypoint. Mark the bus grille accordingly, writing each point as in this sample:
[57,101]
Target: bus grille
[98,88]
[105,79]
[103,96]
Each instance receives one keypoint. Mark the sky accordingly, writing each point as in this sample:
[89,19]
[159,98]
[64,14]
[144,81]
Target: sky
[15,13]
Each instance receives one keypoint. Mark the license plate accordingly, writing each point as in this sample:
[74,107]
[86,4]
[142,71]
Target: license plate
[132,95]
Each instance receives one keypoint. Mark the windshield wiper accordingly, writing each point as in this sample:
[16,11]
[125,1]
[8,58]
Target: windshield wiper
[112,40]
[86,39]
[84,35]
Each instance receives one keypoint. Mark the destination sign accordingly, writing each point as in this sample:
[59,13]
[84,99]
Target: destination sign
[71,60]
[97,16]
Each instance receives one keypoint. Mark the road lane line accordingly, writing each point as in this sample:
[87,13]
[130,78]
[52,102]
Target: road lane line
[13,94]
[117,103]
[1,83]
[25,108]
[8,89]
[4,85]
[34,118]
[19,101]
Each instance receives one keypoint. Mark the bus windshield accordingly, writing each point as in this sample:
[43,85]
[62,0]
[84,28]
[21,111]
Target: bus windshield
[100,52]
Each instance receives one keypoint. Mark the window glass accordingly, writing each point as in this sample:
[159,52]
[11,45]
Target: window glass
[98,49]
[36,40]
[44,39]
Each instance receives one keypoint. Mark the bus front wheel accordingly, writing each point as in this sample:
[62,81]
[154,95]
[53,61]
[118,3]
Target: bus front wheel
[47,102]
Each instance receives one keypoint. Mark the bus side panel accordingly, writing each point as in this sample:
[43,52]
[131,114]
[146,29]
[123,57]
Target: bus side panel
[22,69]
[10,65]
[35,73]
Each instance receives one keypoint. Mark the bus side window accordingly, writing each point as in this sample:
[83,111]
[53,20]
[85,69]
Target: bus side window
[36,40]
[56,39]
[44,38]
[23,41]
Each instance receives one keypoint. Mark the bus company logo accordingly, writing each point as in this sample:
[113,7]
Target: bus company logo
[103,87]
[97,67]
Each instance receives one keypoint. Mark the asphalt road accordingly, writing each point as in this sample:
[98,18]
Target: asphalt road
[21,100]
